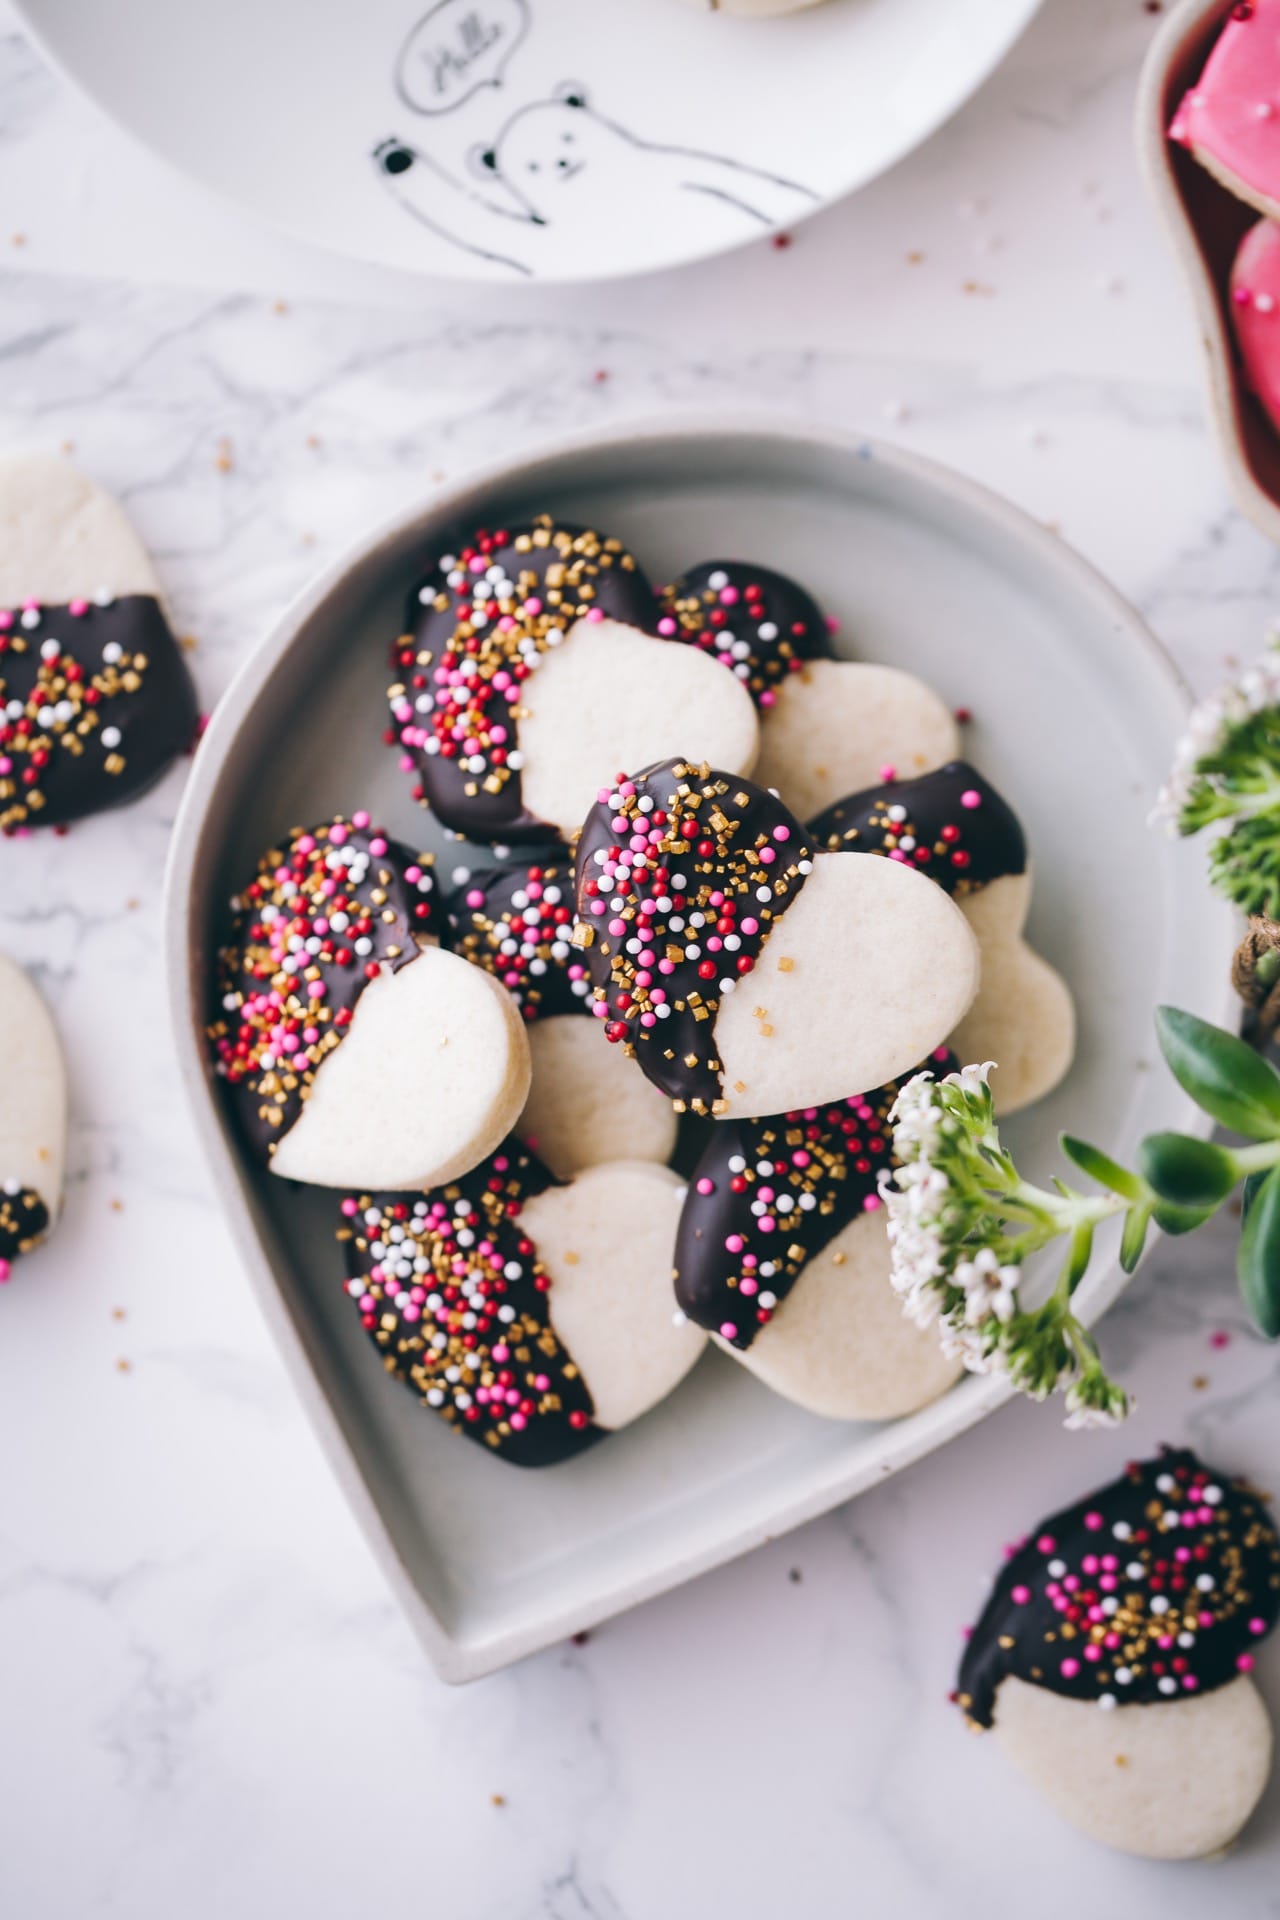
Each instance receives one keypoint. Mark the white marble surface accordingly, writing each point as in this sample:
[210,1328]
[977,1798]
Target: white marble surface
[208,1703]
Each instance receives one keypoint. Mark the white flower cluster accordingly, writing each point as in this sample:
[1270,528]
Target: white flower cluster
[918,1196]
[1257,688]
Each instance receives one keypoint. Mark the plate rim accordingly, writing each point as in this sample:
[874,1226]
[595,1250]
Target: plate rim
[905,1440]
[1022,13]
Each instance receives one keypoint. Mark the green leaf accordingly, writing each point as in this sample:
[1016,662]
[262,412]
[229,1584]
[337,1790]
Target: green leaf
[1100,1167]
[1249,1192]
[1173,1219]
[1258,1263]
[1136,1222]
[1223,1075]
[1191,1173]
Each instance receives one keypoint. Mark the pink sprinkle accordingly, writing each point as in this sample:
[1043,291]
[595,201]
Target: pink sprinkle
[1093,1521]
[1046,1543]
[886,774]
[350,1208]
[1070,1668]
[475,898]
[729,596]
[78,607]
[734,1243]
[727,1330]
[1220,1338]
[360,820]
[666,626]
[871,1203]
[1245,1662]
[706,1184]
[594,614]
[782,833]
[970,798]
[1020,1596]
[1257,1626]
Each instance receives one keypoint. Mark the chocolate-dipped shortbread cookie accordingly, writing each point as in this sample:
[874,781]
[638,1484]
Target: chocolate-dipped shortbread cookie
[1113,1658]
[33,1117]
[531,668]
[955,827]
[783,1256]
[95,698]
[827,725]
[586,1101]
[532,1317]
[355,1047]
[759,624]
[749,974]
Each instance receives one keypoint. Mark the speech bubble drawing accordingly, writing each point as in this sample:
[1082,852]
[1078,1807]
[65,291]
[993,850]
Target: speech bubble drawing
[457,48]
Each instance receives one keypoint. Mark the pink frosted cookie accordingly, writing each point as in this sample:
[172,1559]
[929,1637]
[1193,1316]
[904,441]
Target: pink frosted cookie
[1255,312]
[1230,120]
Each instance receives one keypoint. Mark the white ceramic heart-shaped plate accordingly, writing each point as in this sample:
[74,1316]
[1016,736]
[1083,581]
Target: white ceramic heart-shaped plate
[1076,711]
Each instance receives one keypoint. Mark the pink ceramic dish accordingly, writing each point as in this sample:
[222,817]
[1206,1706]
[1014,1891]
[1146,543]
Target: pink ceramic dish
[1206,224]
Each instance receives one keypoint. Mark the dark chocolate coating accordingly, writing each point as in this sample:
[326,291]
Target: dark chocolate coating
[1113,1590]
[387,906]
[63,760]
[24,1221]
[572,573]
[959,846]
[726,602]
[707,833]
[811,1172]
[502,920]
[519,1356]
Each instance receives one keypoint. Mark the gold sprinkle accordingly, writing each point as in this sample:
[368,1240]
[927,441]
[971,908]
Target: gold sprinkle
[785,964]
[571,1259]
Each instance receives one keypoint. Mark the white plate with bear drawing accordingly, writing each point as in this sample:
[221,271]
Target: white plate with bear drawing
[1075,710]
[509,140]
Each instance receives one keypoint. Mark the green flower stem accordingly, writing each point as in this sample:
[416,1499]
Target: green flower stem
[1257,1159]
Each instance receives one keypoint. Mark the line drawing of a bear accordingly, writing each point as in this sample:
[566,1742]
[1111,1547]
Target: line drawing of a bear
[558,161]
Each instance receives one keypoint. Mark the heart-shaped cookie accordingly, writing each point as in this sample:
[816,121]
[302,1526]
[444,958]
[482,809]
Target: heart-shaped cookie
[783,1256]
[358,1050]
[531,1317]
[955,827]
[1230,120]
[827,726]
[95,698]
[1113,1658]
[532,669]
[586,1102]
[748,974]
[33,1117]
